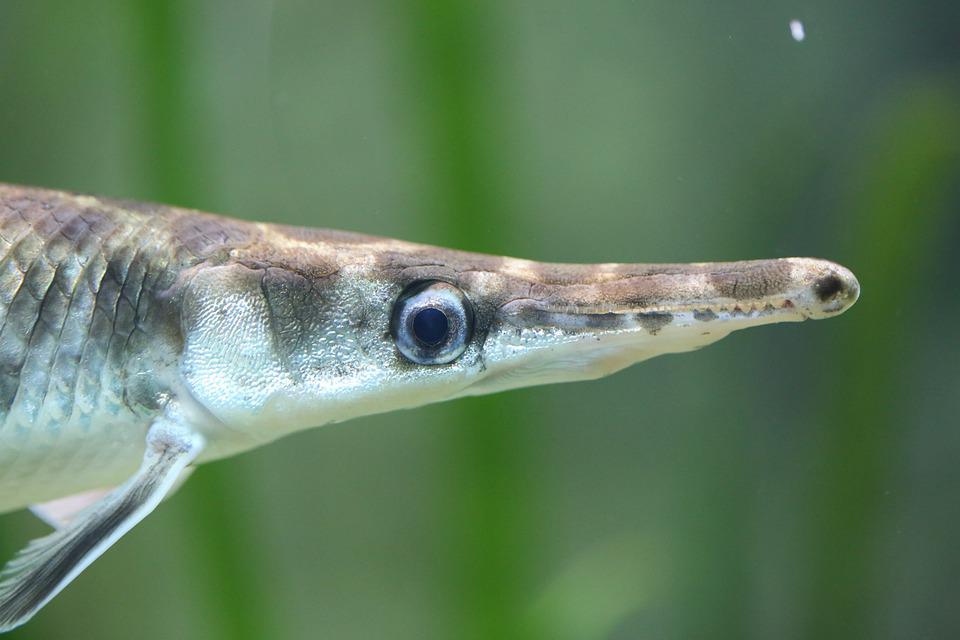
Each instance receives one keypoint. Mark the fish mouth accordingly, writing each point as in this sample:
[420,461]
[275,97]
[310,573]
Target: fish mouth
[607,317]
[780,290]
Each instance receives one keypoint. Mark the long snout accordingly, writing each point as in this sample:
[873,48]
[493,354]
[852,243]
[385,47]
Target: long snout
[655,296]
[577,322]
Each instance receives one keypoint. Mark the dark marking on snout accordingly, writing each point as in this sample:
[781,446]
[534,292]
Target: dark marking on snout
[706,315]
[751,280]
[827,287]
[603,320]
[653,321]
[573,322]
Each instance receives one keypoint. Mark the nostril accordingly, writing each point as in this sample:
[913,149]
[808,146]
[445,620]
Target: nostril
[827,287]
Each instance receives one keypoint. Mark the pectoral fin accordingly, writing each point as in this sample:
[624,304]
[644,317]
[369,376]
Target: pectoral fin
[42,569]
[58,513]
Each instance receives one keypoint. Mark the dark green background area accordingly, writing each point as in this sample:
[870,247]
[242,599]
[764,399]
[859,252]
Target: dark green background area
[796,481]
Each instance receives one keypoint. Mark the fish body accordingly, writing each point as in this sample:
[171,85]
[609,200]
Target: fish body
[85,351]
[139,340]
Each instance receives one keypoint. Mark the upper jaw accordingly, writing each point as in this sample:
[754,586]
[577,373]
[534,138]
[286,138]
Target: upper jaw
[786,289]
[596,325]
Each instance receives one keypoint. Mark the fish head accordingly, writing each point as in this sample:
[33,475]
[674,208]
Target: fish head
[318,327]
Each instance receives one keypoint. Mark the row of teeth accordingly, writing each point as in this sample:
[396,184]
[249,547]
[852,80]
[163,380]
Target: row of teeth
[738,311]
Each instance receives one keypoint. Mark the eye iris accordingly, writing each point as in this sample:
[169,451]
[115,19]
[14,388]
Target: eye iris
[432,323]
[430,326]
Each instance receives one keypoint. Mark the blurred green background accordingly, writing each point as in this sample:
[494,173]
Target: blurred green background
[796,481]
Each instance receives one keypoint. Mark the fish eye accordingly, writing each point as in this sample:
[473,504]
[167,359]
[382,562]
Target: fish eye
[432,322]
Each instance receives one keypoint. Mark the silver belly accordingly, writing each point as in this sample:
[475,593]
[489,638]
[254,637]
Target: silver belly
[40,464]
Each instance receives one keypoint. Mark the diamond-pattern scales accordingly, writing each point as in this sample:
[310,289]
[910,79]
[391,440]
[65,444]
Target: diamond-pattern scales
[78,278]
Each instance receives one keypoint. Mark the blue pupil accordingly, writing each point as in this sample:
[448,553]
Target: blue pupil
[430,326]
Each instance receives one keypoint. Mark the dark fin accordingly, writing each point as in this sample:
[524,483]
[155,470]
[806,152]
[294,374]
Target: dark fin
[47,565]
[60,512]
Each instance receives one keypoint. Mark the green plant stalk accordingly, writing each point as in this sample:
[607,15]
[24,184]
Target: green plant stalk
[911,158]
[451,48]
[226,579]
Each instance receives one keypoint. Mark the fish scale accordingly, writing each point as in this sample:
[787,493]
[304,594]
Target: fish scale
[77,279]
[44,339]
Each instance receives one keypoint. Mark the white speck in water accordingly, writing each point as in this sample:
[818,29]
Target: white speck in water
[796,30]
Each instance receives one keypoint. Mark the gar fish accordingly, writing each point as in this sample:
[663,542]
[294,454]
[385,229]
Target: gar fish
[139,340]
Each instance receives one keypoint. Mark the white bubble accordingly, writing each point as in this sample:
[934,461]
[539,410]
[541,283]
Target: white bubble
[796,30]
